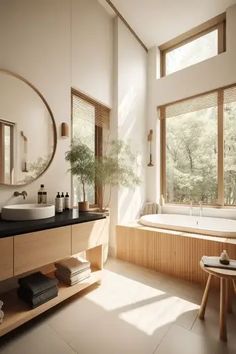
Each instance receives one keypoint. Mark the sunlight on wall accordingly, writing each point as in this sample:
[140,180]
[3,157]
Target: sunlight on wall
[127,105]
[130,202]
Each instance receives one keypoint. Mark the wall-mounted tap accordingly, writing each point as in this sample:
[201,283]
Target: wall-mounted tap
[17,194]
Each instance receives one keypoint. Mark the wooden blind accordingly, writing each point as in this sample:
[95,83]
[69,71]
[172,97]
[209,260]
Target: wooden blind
[224,95]
[83,109]
[102,113]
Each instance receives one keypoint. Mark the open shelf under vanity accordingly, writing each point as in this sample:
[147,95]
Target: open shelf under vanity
[26,253]
[17,312]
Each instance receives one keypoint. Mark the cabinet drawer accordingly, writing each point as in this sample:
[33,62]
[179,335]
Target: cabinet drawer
[36,249]
[88,235]
[6,258]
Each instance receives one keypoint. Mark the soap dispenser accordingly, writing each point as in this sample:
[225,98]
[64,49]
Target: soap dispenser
[44,197]
[40,194]
[67,201]
[58,203]
[63,200]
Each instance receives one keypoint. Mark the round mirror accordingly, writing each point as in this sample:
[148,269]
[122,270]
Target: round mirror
[27,131]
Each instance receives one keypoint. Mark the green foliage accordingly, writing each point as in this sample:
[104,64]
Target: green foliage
[192,157]
[37,167]
[116,167]
[230,154]
[82,163]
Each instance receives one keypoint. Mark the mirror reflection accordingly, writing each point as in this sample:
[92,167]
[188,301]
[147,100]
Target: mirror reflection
[27,131]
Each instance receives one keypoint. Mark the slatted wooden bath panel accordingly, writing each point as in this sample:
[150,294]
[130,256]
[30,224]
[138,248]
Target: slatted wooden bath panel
[174,253]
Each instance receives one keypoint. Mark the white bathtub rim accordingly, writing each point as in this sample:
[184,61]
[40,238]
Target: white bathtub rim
[145,221]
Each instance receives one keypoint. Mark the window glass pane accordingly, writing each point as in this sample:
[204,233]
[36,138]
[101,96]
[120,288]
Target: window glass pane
[7,154]
[84,130]
[191,157]
[192,52]
[230,153]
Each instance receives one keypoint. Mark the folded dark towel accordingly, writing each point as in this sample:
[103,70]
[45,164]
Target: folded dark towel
[28,293]
[37,300]
[37,283]
[214,262]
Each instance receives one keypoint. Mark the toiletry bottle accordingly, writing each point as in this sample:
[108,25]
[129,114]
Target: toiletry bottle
[63,200]
[67,201]
[58,203]
[44,197]
[40,194]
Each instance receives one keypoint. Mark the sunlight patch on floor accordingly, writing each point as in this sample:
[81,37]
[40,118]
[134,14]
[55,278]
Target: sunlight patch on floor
[121,291]
[145,307]
[162,312]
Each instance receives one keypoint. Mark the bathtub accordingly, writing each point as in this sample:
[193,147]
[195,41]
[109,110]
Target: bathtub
[194,224]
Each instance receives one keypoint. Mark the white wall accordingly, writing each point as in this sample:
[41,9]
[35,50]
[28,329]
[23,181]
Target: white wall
[56,44]
[210,74]
[153,182]
[130,113]
[92,50]
[132,68]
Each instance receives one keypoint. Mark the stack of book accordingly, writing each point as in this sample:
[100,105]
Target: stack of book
[72,270]
[36,289]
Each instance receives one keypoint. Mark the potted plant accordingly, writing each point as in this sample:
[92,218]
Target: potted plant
[115,167]
[82,163]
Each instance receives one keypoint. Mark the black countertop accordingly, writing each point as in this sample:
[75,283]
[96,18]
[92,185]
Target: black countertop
[11,228]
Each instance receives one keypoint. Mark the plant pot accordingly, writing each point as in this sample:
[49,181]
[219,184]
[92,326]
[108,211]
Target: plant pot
[104,211]
[84,206]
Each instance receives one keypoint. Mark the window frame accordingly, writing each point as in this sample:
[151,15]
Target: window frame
[98,138]
[220,143]
[218,22]
[11,125]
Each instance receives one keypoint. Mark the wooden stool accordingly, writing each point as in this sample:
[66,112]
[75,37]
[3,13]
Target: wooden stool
[225,276]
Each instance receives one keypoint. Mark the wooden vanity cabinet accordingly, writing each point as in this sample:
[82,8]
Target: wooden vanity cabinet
[88,235]
[36,249]
[6,258]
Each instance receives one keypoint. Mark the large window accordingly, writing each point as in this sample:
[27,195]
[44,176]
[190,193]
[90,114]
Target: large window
[199,149]
[197,45]
[90,124]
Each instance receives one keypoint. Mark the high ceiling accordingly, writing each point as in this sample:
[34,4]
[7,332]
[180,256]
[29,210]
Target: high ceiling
[158,21]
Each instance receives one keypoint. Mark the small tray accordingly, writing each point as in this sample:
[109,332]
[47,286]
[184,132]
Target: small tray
[214,262]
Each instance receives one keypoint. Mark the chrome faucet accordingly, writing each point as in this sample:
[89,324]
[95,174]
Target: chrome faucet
[200,209]
[17,194]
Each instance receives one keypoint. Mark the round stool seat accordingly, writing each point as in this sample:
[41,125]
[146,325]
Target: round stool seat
[225,275]
[219,272]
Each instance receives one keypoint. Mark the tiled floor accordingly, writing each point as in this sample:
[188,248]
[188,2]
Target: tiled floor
[135,310]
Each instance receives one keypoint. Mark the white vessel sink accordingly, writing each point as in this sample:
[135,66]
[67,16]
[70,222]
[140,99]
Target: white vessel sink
[20,212]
